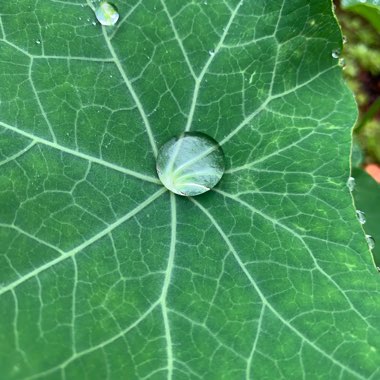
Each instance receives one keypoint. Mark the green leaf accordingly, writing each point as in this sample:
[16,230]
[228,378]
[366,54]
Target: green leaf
[367,199]
[105,274]
[369,9]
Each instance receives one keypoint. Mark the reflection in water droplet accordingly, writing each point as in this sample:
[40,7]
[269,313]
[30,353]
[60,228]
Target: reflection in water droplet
[106,14]
[335,53]
[370,241]
[361,216]
[351,183]
[190,164]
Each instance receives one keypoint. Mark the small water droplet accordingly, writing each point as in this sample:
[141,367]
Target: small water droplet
[351,183]
[361,216]
[94,23]
[211,52]
[370,241]
[38,42]
[335,53]
[342,63]
[345,40]
[190,164]
[106,14]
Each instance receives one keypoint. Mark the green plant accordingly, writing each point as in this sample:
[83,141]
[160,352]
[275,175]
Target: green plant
[104,273]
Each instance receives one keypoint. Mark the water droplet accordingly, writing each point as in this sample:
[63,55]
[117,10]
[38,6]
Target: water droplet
[370,241]
[211,52]
[361,216]
[190,164]
[38,42]
[94,23]
[345,40]
[351,183]
[107,14]
[335,53]
[342,63]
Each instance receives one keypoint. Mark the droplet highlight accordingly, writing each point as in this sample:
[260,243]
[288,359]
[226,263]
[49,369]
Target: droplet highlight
[190,164]
[361,216]
[370,241]
[351,183]
[107,14]
[335,53]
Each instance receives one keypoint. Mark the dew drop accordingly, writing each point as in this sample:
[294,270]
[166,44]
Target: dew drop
[38,42]
[211,52]
[361,216]
[370,241]
[345,40]
[342,63]
[335,53]
[190,164]
[351,183]
[106,14]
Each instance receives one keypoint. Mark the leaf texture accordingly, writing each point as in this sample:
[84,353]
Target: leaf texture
[104,274]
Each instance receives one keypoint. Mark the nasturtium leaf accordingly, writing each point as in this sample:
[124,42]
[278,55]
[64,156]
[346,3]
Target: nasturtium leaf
[104,273]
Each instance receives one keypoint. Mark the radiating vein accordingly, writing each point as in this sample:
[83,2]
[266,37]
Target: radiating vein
[254,345]
[265,301]
[168,276]
[130,88]
[179,40]
[274,153]
[302,240]
[85,156]
[199,79]
[84,245]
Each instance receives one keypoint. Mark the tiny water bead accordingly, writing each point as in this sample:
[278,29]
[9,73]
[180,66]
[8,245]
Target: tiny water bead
[335,53]
[361,216]
[190,164]
[370,241]
[107,14]
[351,183]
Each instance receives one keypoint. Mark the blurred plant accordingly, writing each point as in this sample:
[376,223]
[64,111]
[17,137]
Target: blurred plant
[362,56]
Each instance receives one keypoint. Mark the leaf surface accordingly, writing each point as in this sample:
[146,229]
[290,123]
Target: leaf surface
[105,275]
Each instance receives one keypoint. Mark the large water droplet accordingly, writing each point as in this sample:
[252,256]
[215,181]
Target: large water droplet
[106,14]
[351,183]
[361,216]
[370,241]
[190,164]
